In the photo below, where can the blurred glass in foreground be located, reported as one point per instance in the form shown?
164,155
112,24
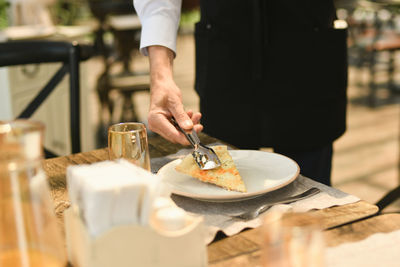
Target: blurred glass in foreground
29,234
292,240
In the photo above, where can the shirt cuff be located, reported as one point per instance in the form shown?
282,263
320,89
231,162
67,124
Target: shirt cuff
158,30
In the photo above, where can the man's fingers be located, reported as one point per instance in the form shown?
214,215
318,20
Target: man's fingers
181,117
160,124
198,127
196,117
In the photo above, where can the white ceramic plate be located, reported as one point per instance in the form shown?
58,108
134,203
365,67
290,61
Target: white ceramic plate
262,172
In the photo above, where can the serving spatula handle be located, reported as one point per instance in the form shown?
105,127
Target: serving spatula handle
190,136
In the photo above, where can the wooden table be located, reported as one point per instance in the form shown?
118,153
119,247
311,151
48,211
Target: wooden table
242,249
55,168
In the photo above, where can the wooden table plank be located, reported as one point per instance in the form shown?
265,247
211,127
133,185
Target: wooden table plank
251,255
231,247
342,214
252,258
360,230
329,217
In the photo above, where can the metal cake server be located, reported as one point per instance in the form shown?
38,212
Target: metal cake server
204,156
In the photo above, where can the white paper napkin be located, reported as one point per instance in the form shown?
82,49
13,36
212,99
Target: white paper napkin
111,193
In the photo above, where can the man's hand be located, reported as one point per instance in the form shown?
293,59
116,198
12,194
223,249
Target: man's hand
166,99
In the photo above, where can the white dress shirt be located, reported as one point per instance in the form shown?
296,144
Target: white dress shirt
160,22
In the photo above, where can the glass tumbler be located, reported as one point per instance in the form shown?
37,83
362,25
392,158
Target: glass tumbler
292,240
128,140
29,232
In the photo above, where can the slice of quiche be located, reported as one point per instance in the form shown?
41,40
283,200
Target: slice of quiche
226,176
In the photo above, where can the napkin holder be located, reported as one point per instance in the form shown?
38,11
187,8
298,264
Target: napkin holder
135,245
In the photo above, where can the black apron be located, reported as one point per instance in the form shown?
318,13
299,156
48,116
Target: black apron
271,73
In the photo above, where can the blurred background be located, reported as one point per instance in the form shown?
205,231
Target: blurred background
115,84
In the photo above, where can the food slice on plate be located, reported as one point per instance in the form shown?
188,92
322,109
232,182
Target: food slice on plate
226,176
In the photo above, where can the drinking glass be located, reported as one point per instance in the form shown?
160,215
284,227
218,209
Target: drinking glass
292,240
29,233
128,140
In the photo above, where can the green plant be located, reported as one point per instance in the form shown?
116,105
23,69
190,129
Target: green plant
189,18
67,12
3,13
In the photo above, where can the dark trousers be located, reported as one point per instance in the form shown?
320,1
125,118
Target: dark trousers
315,164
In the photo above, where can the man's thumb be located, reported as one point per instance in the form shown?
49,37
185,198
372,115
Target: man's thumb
183,120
